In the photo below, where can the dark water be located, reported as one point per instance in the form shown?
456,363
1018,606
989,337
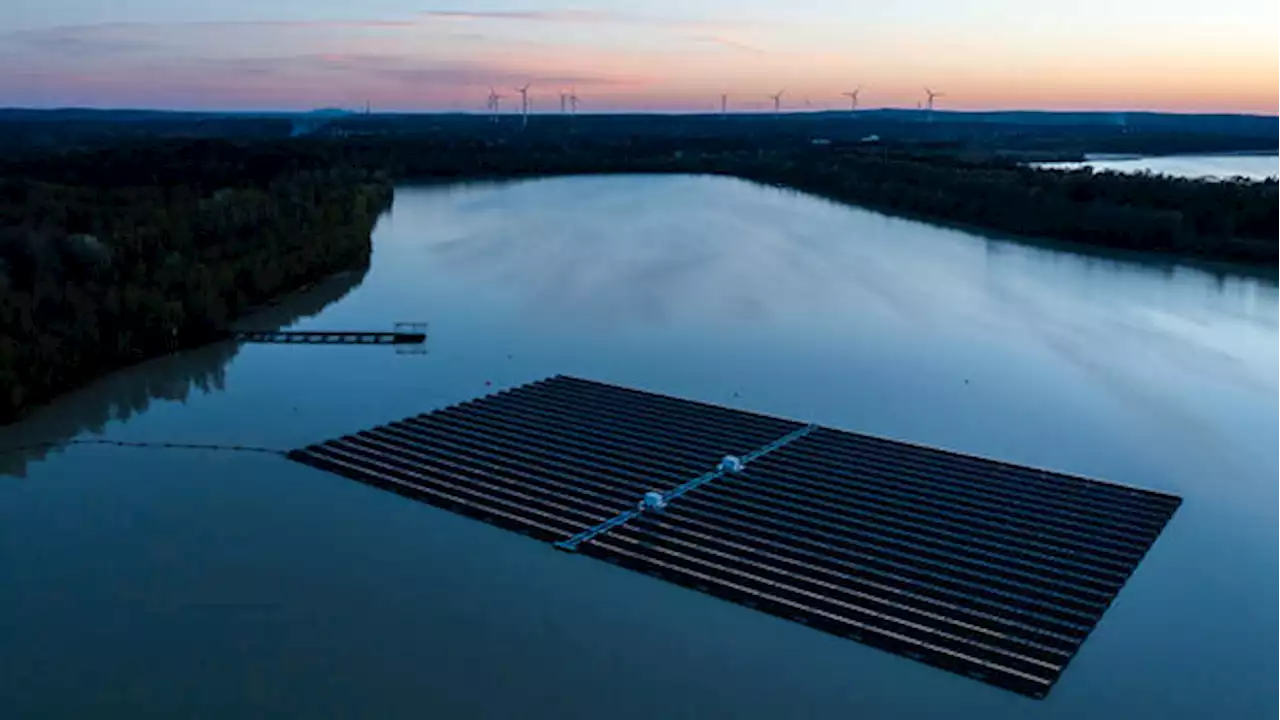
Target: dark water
165,583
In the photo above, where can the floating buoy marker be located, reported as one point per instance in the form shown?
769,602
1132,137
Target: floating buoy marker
652,500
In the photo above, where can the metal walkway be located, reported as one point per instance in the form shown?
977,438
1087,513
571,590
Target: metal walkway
590,533
403,334
983,568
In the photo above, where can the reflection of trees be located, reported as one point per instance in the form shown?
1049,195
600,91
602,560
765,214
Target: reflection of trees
128,392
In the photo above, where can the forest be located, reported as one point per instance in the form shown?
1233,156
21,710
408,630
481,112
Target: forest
110,255
158,252
174,377
1229,221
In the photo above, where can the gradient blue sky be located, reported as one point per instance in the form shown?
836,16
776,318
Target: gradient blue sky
1178,55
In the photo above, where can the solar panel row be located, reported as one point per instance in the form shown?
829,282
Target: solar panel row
993,570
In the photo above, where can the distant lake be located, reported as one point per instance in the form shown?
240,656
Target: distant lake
173,583
1256,167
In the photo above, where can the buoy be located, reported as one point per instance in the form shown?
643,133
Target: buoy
652,500
731,463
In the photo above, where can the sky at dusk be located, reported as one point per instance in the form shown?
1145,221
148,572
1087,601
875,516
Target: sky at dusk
667,55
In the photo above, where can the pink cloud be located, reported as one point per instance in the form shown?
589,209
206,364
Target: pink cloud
136,29
418,72
322,23
105,39
299,81
573,16
98,41
531,15
727,43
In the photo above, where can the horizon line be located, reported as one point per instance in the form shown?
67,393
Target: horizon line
554,113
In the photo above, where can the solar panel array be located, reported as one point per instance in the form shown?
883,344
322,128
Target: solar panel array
988,569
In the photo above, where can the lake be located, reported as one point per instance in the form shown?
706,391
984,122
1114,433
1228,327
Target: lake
1253,167
162,583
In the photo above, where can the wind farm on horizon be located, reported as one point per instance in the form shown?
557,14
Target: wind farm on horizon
549,99
525,108
533,99
776,103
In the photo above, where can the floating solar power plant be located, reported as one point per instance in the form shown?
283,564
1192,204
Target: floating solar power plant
549,458
988,569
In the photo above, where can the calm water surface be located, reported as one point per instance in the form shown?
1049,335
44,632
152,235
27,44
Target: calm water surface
168,583
1254,167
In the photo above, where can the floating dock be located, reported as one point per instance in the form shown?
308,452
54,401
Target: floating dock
335,337
988,569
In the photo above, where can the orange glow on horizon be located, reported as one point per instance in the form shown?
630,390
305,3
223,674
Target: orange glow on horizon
448,63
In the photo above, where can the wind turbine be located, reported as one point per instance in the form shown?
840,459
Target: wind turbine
932,95
777,101
564,101
724,104
524,104
492,104
853,98
573,100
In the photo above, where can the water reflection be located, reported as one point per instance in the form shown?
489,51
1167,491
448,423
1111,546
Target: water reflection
771,293
129,392
707,288
1228,166
775,256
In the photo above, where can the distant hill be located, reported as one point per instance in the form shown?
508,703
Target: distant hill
127,115
1219,124
95,115
330,112
1025,134
1193,122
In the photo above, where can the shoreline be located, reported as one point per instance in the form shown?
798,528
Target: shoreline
193,343
263,309
121,393
1100,252
261,272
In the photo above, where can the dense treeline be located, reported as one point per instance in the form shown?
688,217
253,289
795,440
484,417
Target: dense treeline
173,377
1044,135
144,254
31,132
1231,221
111,255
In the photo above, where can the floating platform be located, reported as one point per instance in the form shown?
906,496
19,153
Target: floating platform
988,569
330,337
